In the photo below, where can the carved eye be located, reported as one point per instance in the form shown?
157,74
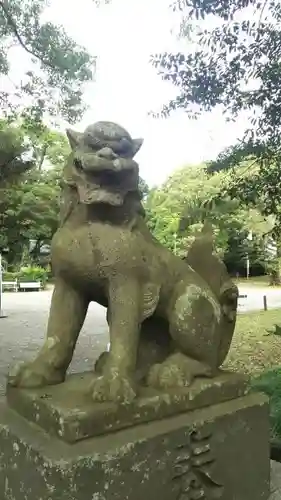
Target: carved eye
78,164
124,148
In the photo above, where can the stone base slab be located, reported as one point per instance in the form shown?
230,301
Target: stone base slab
215,453
68,411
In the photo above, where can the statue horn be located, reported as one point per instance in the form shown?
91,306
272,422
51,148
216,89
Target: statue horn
73,137
137,143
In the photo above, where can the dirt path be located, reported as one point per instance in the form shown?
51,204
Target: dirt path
254,299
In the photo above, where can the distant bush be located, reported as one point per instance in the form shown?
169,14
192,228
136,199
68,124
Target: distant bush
7,276
29,273
33,273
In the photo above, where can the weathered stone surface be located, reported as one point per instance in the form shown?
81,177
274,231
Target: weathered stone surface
68,411
170,319
221,452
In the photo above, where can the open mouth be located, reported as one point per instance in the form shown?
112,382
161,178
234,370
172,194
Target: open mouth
96,194
108,187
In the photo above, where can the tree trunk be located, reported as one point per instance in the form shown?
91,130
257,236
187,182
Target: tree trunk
275,278
275,274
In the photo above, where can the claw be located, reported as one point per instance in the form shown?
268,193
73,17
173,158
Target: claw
115,388
32,375
165,377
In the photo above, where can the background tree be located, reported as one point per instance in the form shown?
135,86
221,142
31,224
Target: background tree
59,68
29,197
14,158
143,187
29,212
47,146
27,144
176,212
233,61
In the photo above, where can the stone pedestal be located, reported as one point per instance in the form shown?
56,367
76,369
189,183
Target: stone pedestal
215,452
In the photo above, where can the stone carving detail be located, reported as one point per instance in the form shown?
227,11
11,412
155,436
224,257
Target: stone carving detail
169,320
193,468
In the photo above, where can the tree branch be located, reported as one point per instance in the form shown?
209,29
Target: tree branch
11,23
41,157
260,19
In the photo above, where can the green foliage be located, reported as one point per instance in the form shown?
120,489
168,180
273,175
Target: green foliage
236,45
46,145
163,218
12,150
256,185
270,384
143,187
29,211
25,145
177,210
276,331
10,276
233,61
29,208
33,273
28,273
59,68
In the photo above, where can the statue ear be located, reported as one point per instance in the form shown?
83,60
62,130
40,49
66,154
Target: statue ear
208,234
137,143
73,137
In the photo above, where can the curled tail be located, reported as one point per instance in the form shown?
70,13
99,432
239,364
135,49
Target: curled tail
202,259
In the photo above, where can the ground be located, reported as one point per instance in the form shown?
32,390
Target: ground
23,331
255,294
254,281
254,349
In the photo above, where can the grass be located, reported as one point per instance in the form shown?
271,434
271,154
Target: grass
253,349
257,352
270,384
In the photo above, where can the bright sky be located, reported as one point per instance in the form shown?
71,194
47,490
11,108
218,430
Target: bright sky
123,35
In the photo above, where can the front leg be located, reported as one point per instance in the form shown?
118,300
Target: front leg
67,314
117,383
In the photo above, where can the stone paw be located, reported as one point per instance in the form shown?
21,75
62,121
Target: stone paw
114,387
168,376
31,375
101,362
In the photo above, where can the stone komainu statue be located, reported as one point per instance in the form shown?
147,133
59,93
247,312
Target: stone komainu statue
169,320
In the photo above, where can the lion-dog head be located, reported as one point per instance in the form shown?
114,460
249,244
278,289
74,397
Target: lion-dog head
101,165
